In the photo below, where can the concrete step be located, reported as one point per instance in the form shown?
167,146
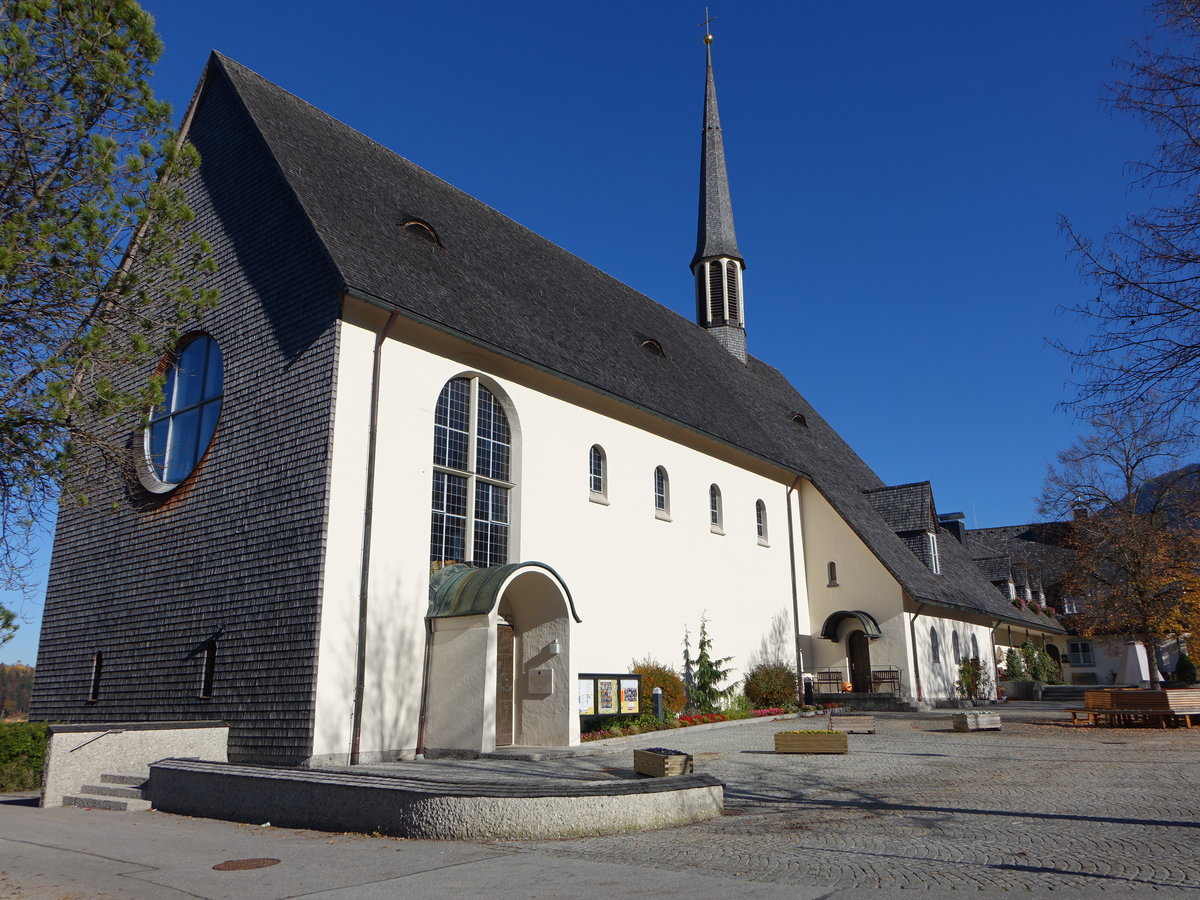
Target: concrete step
135,780
114,803
113,790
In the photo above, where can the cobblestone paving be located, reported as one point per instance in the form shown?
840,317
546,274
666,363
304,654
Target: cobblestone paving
1039,806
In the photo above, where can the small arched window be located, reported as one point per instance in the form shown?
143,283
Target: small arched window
662,493
957,648
935,647
182,426
974,647
833,582
760,521
597,471
716,515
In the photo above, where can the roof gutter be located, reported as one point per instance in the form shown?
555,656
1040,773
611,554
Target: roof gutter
360,662
912,627
794,489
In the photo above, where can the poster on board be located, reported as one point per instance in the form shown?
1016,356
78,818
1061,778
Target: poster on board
607,701
587,697
629,695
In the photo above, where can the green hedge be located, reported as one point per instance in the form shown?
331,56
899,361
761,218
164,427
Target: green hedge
22,755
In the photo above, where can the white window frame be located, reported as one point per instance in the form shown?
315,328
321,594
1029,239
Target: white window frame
716,510
760,523
170,415
662,494
597,475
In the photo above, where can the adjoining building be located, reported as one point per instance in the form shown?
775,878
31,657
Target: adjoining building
420,468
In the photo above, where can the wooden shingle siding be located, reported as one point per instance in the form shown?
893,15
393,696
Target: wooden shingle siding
237,549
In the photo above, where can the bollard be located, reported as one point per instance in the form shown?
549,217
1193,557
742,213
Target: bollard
658,710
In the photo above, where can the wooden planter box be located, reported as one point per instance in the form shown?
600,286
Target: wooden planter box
811,742
977,722
647,762
853,724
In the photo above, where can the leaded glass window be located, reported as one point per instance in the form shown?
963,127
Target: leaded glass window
760,519
472,459
715,514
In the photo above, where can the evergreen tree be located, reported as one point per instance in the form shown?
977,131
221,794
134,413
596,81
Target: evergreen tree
96,250
710,673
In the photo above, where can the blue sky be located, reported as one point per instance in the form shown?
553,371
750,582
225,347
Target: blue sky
897,171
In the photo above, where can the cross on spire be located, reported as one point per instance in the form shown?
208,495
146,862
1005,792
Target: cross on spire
707,19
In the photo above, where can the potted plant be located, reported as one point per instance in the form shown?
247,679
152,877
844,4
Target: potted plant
812,742
661,761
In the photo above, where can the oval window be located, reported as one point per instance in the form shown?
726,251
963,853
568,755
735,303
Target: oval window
182,426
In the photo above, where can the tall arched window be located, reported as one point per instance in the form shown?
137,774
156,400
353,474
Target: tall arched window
716,515
935,647
181,428
472,456
662,493
597,471
957,649
974,647
832,569
760,520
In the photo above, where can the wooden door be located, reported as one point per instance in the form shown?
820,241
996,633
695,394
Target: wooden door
858,647
504,684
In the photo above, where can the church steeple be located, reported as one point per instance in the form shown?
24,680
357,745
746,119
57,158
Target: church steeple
717,265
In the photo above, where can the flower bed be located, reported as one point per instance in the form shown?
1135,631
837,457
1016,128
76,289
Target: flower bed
701,719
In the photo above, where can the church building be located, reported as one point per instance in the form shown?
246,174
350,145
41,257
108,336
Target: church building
420,468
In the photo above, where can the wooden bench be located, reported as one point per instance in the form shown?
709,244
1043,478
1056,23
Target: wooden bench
829,682
1126,718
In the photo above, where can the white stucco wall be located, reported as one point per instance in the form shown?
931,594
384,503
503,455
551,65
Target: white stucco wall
340,591
938,678
637,581
862,584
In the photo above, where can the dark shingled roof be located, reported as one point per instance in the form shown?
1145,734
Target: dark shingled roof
497,283
906,507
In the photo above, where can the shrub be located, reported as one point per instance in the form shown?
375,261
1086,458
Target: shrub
1014,665
770,684
1038,663
22,755
973,680
655,674
1185,669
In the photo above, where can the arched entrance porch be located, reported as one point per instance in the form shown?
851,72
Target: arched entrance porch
498,659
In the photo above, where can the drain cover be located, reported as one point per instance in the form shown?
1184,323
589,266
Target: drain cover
238,865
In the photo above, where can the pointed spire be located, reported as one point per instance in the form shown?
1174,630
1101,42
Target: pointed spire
715,235
718,264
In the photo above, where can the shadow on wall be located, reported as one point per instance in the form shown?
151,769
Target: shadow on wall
392,680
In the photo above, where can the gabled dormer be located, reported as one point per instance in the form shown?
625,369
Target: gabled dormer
909,511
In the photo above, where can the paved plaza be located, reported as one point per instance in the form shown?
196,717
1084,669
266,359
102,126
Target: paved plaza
1037,808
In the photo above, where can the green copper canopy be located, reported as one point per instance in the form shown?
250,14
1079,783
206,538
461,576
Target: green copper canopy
466,590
